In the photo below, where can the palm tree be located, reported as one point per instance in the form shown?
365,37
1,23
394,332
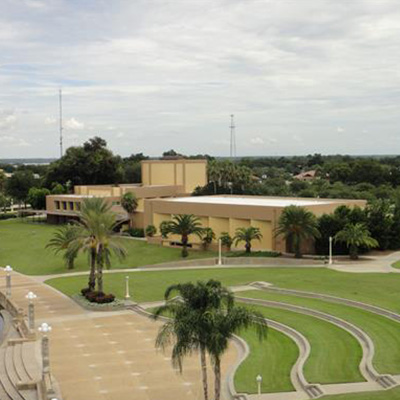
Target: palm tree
208,237
222,325
247,235
188,327
95,236
356,235
185,225
61,241
297,224
129,203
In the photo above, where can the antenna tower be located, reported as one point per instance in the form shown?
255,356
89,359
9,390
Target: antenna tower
233,138
61,124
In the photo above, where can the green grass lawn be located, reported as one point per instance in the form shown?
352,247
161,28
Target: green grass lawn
22,245
396,264
384,332
393,394
335,354
379,289
273,358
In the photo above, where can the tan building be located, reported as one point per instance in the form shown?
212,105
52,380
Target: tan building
160,179
227,213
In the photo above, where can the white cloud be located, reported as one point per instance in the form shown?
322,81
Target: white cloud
257,141
8,120
339,129
50,121
74,124
13,141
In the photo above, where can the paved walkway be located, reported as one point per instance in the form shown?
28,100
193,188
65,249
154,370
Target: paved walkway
108,355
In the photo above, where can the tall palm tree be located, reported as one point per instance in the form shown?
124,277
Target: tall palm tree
356,235
297,224
222,325
189,325
95,236
61,242
185,225
129,203
247,235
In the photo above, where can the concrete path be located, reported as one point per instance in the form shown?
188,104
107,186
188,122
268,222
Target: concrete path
107,355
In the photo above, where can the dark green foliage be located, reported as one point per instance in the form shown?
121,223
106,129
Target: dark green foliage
151,230
19,184
37,198
136,232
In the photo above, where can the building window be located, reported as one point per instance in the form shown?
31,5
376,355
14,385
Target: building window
57,203
64,205
78,206
71,205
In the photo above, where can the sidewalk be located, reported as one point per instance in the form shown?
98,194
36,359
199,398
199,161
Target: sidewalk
107,355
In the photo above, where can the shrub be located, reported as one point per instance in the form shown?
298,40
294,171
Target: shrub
226,240
207,237
151,230
85,291
164,229
7,216
98,297
136,232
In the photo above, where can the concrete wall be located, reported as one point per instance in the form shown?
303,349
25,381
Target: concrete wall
185,173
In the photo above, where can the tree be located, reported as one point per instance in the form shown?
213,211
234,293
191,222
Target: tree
297,224
355,236
4,202
188,327
247,235
226,240
223,324
61,242
129,203
90,164
37,198
379,222
96,237
164,230
3,180
184,225
18,185
207,237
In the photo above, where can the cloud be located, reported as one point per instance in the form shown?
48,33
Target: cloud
8,120
50,121
9,141
74,124
166,74
257,141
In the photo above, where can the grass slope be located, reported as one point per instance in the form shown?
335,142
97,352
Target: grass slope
384,332
22,245
273,358
335,354
379,289
393,394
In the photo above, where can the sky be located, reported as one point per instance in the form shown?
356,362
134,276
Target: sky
300,76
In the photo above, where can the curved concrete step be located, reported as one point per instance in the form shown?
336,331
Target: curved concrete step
353,303
30,361
297,373
19,365
366,366
4,377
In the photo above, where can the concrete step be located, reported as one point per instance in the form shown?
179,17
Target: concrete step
19,365
4,377
30,361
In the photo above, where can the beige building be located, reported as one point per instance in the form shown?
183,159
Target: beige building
227,213
165,191
160,179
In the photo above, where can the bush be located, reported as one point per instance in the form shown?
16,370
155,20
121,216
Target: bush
136,232
7,216
226,240
164,229
151,230
97,297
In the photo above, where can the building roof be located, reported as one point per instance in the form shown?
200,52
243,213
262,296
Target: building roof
254,201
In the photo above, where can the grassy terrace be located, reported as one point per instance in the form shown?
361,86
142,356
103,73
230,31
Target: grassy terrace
335,354
379,289
393,394
384,332
22,245
274,357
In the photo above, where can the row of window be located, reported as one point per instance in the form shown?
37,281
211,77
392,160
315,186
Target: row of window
68,205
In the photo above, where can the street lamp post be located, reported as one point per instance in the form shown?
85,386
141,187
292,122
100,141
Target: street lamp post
219,252
330,251
259,381
127,295
31,310
44,329
8,270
